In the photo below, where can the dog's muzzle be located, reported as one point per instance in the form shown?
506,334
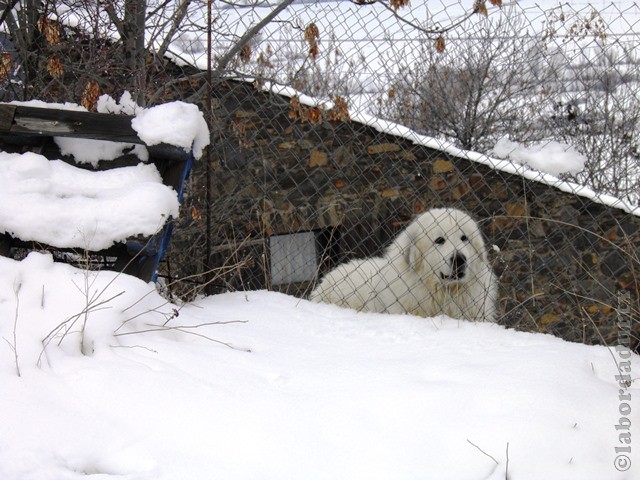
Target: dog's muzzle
458,263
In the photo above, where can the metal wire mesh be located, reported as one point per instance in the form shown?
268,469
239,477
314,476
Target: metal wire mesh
336,124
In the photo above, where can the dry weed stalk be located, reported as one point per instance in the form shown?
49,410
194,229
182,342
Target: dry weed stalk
14,345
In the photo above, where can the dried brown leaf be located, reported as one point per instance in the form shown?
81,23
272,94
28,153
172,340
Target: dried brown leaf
90,95
311,36
245,53
340,111
196,215
6,65
311,33
296,108
397,4
314,116
54,66
50,29
480,7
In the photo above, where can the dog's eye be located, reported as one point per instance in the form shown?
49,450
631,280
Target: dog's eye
464,238
440,240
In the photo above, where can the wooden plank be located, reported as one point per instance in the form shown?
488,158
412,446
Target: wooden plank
7,113
34,121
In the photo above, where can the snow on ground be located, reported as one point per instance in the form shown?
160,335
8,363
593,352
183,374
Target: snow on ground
303,391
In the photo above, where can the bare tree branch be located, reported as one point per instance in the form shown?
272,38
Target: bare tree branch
248,35
176,21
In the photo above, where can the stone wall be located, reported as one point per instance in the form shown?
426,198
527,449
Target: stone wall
567,265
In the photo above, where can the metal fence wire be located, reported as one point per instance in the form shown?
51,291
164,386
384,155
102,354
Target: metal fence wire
475,159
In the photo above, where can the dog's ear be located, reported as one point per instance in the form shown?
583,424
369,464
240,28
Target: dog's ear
414,257
477,241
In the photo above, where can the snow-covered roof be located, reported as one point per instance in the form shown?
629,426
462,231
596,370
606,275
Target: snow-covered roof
503,165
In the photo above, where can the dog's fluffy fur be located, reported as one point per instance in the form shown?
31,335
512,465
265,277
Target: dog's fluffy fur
437,265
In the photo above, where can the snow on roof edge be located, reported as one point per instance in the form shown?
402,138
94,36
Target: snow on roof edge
506,166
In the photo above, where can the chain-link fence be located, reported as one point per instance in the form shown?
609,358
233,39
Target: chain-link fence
337,127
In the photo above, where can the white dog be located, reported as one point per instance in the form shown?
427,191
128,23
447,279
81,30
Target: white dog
437,265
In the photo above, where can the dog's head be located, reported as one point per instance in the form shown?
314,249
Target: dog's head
447,244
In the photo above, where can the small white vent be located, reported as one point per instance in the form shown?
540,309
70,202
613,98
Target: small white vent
293,258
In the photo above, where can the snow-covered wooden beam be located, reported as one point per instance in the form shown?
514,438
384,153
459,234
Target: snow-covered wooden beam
172,136
34,121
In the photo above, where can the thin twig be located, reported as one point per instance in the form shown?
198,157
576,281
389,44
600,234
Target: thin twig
134,346
603,340
506,469
175,311
70,322
634,258
14,346
159,328
428,31
584,297
248,35
7,10
482,451
219,271
185,329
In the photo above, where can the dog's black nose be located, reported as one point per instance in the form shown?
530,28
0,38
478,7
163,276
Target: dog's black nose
458,266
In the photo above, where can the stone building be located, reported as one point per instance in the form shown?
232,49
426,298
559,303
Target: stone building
298,188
